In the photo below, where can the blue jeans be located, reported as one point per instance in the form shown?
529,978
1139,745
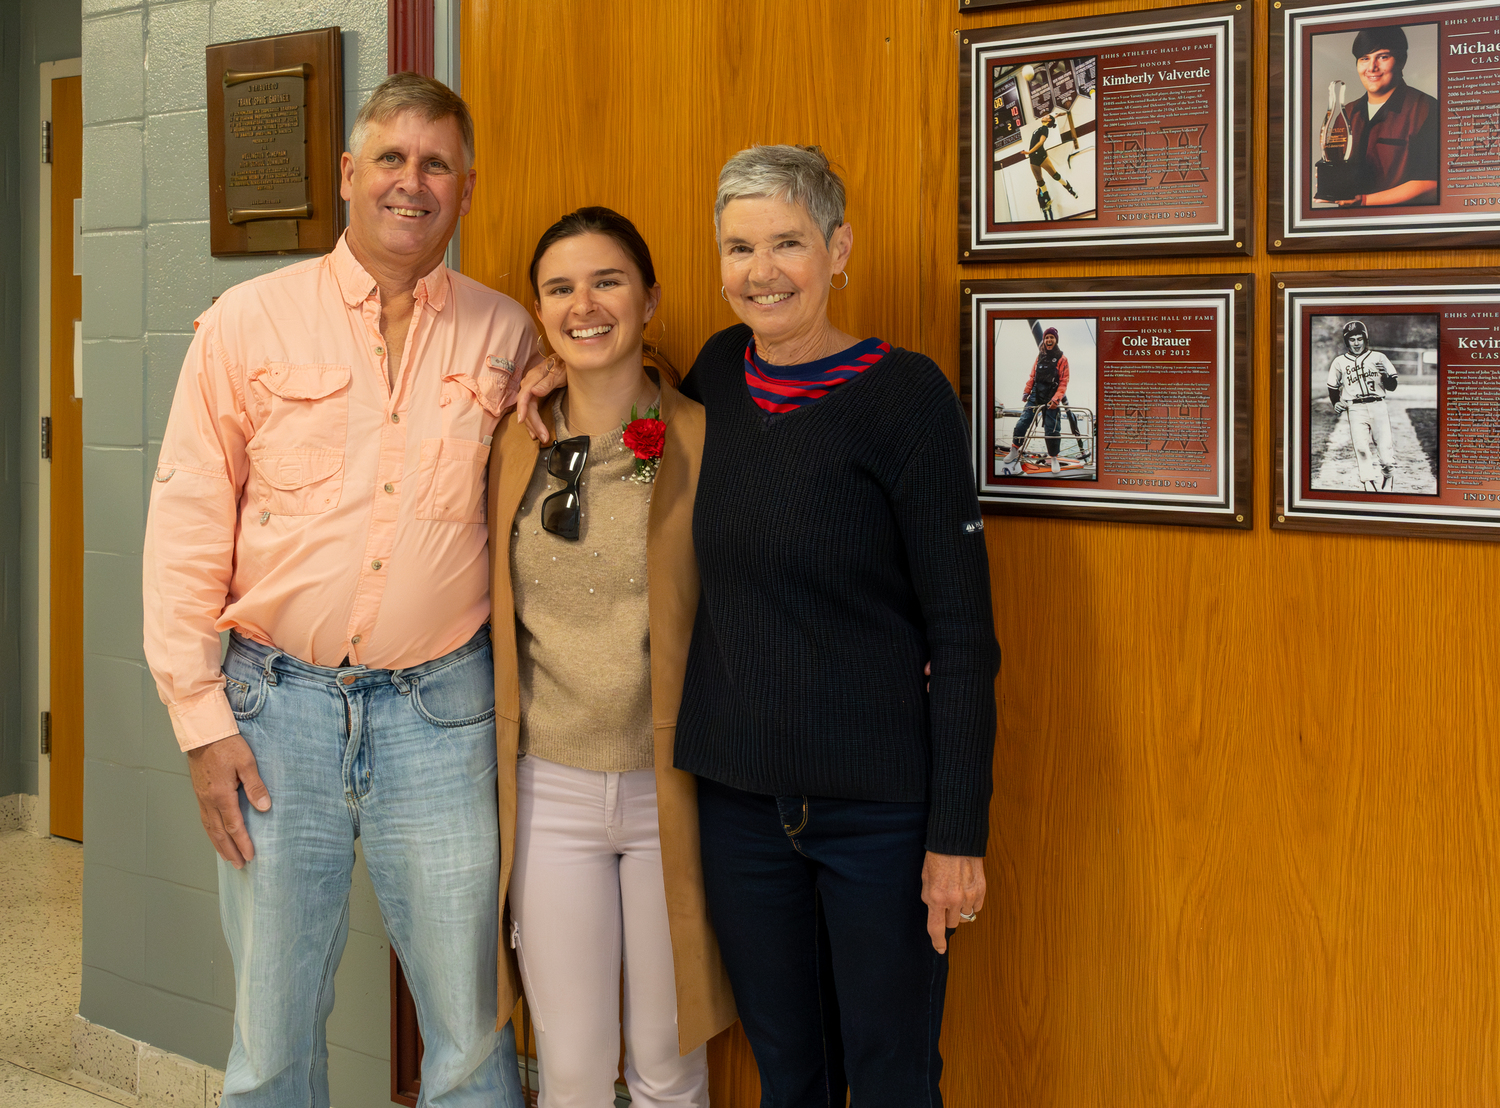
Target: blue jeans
817,903
405,759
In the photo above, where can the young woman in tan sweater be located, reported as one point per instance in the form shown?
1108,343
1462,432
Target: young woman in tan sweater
598,831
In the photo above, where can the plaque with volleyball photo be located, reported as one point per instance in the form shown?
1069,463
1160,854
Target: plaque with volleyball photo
1105,136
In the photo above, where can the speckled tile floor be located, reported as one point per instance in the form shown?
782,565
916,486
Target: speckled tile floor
41,956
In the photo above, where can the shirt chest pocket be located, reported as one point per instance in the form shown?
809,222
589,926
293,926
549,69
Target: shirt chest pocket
451,480
451,473
297,455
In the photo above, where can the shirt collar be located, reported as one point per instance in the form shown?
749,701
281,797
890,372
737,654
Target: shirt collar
356,285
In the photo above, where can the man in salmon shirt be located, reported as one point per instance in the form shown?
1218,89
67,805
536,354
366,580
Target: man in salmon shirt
321,496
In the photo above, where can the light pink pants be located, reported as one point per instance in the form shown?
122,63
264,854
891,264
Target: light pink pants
587,884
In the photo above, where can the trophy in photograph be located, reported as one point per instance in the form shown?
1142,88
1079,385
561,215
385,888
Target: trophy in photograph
1337,177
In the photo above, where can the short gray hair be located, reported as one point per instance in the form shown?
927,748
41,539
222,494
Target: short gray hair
413,92
793,174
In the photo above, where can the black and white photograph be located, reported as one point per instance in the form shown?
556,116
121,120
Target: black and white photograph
1045,140
1373,401
1046,398
1376,141
1384,402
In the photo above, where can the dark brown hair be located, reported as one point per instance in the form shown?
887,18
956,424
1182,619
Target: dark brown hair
597,220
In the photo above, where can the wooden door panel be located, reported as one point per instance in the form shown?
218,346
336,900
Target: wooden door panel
67,469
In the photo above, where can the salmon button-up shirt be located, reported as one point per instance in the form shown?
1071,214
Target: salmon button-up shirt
307,503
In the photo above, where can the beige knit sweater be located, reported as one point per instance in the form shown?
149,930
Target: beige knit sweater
582,615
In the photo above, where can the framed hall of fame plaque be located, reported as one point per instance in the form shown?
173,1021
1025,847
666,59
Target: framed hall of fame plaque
1386,403
1107,136
275,134
1385,122
1121,398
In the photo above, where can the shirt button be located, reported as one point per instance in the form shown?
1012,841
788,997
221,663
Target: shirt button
380,350
389,487
375,565
354,641
395,417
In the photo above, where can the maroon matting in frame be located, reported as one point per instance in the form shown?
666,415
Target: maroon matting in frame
1413,447
1153,416
1107,136
1452,71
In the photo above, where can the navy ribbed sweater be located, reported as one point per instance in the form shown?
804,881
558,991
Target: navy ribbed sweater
839,549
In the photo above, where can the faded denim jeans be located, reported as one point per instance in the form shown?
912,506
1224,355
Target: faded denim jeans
404,759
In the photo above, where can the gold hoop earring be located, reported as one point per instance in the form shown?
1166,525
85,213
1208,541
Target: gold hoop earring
839,288
659,338
724,294
543,353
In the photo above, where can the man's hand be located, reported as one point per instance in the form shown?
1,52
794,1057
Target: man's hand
1341,406
1052,403
539,382
219,770
952,887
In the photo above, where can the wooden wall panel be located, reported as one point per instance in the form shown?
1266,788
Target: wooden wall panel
1244,837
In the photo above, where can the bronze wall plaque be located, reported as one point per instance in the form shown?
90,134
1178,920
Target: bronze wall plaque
275,133
265,144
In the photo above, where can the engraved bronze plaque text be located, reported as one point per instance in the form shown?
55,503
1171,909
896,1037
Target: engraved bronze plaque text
265,144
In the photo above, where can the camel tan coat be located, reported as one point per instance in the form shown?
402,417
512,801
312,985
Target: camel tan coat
705,1005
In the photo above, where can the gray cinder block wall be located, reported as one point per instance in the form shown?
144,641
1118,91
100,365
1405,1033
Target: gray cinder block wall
32,32
155,967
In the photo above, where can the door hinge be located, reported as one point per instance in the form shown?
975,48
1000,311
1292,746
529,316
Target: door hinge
46,142
47,733
46,438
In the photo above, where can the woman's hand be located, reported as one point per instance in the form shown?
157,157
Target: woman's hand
540,381
952,888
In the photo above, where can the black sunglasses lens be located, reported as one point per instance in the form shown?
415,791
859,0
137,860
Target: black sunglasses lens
560,513
565,462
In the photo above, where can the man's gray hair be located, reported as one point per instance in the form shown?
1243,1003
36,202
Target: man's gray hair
792,174
412,92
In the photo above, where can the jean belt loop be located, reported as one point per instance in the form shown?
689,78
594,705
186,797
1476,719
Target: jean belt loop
269,670
401,681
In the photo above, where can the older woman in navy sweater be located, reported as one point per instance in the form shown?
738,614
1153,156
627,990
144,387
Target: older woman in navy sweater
842,802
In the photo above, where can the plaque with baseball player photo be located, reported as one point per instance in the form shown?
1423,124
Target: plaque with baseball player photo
1114,135
1111,398
1387,403
1385,119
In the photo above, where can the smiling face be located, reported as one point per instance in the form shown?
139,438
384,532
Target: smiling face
1379,71
776,269
1049,341
593,302
406,189
1356,343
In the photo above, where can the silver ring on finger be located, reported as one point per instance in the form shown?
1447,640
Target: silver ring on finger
968,917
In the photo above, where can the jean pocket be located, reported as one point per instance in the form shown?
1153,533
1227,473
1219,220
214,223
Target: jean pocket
454,699
245,701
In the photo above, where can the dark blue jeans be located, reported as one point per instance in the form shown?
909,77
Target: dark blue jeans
817,903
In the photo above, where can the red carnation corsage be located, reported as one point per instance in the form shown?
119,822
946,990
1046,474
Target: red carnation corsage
644,438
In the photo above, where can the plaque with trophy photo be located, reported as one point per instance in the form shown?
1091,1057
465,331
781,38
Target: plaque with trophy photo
1382,124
